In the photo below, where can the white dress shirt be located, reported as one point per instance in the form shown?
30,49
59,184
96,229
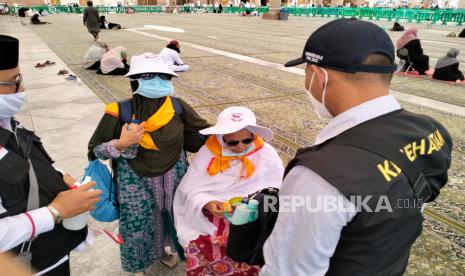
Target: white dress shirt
17,229
302,242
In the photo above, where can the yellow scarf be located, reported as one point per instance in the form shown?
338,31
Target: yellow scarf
220,163
159,119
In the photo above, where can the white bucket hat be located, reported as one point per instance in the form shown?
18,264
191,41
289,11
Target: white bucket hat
235,118
148,63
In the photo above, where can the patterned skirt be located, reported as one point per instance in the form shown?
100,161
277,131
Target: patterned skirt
207,254
146,205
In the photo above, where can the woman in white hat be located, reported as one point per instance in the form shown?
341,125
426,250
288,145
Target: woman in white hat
235,161
148,158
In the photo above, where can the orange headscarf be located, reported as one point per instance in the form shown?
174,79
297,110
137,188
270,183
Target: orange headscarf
220,163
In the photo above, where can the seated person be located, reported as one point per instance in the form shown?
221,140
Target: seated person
235,161
94,55
397,27
114,62
22,11
171,57
462,33
410,41
447,67
36,21
104,24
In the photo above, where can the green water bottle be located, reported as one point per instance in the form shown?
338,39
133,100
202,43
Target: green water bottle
253,209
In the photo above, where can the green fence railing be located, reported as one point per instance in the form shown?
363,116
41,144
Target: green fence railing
411,15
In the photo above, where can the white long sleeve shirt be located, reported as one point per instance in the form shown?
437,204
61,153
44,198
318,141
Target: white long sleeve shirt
170,56
303,241
17,229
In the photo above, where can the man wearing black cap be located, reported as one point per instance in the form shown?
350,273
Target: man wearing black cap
351,203
34,197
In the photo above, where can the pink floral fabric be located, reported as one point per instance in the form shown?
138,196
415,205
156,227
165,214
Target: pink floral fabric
207,254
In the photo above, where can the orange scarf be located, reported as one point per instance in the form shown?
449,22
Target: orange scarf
159,119
220,163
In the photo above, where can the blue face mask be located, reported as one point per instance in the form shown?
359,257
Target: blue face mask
226,152
155,88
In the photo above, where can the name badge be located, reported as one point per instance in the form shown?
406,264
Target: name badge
3,152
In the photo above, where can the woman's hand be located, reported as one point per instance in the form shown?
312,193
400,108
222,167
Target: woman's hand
215,208
130,134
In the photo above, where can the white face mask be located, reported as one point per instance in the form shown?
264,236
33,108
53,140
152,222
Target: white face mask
10,104
320,108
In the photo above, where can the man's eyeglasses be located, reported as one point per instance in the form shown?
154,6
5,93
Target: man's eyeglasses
19,80
149,76
232,143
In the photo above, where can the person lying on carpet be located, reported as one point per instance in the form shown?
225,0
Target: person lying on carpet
104,24
447,67
36,21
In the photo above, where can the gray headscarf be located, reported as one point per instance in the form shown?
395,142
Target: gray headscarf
449,59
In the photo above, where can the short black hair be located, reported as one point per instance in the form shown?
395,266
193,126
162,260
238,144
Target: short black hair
374,59
90,3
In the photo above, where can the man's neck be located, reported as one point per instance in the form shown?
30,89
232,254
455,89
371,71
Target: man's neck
355,98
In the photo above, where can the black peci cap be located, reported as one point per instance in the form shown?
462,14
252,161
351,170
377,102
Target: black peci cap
9,49
343,44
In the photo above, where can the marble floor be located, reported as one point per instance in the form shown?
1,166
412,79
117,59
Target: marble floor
235,61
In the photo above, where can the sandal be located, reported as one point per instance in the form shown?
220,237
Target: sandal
48,62
62,72
39,65
71,77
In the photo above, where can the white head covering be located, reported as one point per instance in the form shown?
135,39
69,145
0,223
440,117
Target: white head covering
148,63
235,118
95,53
112,60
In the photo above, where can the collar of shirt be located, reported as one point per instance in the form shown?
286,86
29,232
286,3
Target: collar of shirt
357,115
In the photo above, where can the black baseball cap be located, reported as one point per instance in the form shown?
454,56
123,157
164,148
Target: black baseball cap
9,47
343,44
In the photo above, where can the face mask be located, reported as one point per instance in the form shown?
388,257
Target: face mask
320,109
10,104
226,152
154,88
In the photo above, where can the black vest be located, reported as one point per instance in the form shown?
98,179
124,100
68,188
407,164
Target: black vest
48,248
378,243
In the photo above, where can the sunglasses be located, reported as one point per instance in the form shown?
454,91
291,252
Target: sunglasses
149,76
17,82
232,143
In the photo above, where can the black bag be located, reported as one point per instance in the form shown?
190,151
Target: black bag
245,242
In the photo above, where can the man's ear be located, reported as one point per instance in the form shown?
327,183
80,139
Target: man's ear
319,76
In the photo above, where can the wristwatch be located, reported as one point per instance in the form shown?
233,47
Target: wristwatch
55,212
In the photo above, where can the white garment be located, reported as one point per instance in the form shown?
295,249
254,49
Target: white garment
179,68
198,188
303,242
170,57
94,54
17,229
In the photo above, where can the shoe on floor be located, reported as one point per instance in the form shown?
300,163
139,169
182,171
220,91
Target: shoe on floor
62,72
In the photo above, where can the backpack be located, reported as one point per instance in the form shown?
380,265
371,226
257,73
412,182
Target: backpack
107,209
